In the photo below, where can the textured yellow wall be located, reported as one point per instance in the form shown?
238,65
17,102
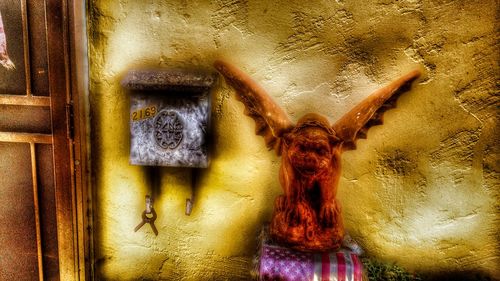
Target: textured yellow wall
421,191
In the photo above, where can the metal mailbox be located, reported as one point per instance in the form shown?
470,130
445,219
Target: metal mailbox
169,117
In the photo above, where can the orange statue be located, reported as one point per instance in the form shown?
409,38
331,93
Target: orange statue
308,217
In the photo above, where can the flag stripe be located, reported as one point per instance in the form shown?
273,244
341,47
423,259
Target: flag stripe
325,267
333,267
341,266
317,267
348,265
357,268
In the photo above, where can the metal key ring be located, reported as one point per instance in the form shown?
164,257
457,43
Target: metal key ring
152,218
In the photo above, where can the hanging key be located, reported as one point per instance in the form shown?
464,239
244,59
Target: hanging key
149,220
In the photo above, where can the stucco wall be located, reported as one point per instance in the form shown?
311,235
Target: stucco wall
421,191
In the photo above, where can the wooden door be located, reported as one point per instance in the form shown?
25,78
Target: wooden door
38,213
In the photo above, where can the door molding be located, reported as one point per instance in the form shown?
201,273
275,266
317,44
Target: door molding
78,50
68,72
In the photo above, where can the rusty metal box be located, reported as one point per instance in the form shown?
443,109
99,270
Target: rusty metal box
169,117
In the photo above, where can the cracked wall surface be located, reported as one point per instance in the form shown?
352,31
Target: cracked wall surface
421,190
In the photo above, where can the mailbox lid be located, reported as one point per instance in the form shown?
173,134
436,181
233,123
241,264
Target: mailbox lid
168,79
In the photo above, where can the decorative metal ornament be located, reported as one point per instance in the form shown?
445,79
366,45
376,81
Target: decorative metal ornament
168,129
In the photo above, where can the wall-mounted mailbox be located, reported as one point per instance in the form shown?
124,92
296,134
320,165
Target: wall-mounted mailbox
169,117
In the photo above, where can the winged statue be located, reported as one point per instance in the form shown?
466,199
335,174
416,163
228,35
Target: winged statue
308,216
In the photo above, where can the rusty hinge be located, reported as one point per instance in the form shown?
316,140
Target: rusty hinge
70,121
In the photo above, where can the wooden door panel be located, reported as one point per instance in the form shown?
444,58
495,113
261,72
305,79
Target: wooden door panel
12,81
27,119
18,241
26,253
37,42
31,144
26,33
46,189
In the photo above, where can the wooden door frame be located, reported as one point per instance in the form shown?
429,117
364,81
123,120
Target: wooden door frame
79,62
68,80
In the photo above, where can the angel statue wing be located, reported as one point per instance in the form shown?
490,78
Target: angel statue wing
4,57
271,121
369,112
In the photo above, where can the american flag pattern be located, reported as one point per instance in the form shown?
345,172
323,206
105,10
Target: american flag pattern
4,56
283,264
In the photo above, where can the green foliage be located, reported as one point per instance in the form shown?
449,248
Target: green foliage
380,271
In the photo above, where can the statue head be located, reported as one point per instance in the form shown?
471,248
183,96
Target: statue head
310,144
